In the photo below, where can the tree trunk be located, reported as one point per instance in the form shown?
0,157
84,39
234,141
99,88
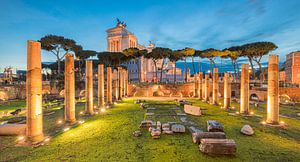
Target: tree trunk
252,68
185,67
161,69
194,69
262,73
175,73
138,70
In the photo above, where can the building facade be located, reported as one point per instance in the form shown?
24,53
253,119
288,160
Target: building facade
292,68
142,69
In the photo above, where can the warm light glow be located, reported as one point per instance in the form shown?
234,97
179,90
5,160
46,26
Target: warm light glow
281,122
47,139
59,121
107,106
220,103
263,122
103,110
237,112
251,113
20,138
81,112
232,107
96,112
66,129
81,121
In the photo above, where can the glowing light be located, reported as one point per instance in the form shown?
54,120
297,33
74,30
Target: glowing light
233,107
47,140
281,122
237,112
59,121
81,121
251,113
96,112
81,112
220,103
264,122
66,129
95,107
103,110
20,138
107,106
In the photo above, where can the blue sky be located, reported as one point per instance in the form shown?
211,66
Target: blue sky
168,23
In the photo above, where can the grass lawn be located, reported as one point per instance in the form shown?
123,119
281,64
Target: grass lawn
108,137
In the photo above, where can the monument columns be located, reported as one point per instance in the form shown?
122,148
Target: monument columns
244,107
126,82
200,85
69,89
108,85
227,91
206,82
89,87
101,85
215,86
123,82
273,90
34,93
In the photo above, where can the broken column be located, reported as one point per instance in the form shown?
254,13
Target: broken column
215,86
273,91
89,87
244,107
101,85
69,89
34,93
206,93
227,91
120,83
200,85
108,86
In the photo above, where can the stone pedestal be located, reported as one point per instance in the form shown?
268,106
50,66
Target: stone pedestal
69,89
89,109
273,90
34,93
101,86
206,87
200,85
215,87
244,107
196,88
109,86
227,91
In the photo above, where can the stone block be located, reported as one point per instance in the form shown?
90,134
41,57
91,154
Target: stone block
178,128
198,136
218,146
214,126
193,110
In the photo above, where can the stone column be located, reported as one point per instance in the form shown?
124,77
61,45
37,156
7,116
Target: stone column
69,89
206,82
227,91
115,89
126,82
108,86
123,82
101,85
120,82
244,107
215,86
273,90
200,85
34,93
89,109
196,89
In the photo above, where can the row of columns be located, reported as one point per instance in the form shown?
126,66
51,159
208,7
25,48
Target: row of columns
34,130
273,89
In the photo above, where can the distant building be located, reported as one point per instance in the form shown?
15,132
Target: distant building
119,39
292,68
282,76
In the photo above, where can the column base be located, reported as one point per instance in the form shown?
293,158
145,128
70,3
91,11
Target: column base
35,139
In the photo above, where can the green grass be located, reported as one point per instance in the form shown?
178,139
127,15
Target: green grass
12,105
108,137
